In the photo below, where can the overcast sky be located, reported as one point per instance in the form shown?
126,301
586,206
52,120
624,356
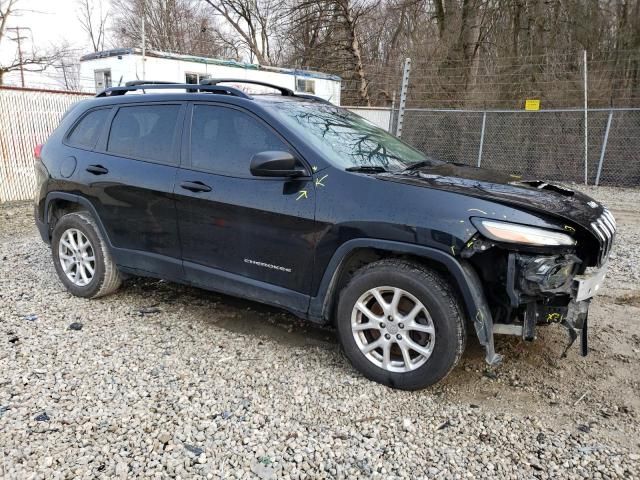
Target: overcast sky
52,22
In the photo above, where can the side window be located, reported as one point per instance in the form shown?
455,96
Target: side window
86,132
224,140
145,131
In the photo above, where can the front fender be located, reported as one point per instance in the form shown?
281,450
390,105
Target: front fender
462,274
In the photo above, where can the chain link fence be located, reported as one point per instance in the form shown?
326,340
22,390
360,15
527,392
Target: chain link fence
479,118
546,144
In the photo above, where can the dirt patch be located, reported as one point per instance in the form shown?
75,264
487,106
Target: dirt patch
631,299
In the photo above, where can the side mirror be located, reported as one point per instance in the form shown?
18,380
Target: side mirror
276,164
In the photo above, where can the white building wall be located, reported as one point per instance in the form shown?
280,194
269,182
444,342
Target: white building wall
129,67
380,117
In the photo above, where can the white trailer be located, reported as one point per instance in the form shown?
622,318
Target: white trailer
109,68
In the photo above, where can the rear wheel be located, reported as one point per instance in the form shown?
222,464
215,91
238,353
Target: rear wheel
400,324
81,257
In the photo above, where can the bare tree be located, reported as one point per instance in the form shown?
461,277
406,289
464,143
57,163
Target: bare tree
350,12
93,19
328,34
256,22
7,9
68,69
471,52
179,26
30,60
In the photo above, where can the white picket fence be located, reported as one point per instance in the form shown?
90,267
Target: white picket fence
27,118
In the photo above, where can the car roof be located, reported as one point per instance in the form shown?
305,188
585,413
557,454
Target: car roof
163,90
254,101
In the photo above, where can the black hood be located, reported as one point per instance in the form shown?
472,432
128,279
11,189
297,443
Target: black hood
533,195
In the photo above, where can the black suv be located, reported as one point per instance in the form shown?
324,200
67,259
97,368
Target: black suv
289,200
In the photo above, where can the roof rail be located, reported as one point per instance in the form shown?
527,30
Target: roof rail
315,98
286,92
134,83
190,87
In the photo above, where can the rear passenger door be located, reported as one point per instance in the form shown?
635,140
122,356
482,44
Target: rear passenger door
130,178
237,225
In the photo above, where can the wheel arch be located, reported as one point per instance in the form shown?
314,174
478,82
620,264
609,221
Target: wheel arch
68,202
359,252
462,275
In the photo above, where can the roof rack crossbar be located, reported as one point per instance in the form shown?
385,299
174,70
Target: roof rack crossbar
286,92
114,91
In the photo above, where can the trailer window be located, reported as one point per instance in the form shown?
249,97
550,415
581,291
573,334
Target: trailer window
304,85
102,78
195,78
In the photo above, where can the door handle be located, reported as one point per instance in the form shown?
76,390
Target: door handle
97,169
195,186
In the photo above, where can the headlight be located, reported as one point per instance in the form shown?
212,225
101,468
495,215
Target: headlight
515,233
547,274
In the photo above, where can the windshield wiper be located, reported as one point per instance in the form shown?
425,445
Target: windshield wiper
366,169
415,166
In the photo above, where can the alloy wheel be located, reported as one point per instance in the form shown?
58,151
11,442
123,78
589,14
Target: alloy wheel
393,329
77,257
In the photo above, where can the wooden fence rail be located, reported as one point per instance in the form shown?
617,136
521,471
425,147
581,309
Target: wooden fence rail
27,118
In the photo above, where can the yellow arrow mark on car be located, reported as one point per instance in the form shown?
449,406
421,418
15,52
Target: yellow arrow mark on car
319,181
302,193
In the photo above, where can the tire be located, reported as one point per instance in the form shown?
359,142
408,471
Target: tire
437,331
105,278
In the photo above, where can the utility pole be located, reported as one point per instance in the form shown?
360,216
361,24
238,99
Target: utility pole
144,44
64,74
18,39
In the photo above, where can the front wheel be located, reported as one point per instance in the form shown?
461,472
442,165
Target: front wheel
400,324
81,257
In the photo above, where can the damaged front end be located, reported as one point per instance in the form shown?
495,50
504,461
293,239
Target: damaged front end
530,278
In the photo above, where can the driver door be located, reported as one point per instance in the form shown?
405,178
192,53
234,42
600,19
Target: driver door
237,231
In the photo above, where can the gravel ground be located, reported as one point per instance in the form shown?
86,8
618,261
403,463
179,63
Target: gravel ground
161,380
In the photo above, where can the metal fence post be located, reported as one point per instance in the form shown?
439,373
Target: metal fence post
586,124
393,108
403,95
484,122
604,147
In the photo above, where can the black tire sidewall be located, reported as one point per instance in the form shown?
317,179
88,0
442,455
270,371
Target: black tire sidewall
439,305
76,221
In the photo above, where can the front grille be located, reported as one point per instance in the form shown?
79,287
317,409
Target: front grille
605,229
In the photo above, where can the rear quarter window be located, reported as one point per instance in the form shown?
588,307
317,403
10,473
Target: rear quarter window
145,131
86,132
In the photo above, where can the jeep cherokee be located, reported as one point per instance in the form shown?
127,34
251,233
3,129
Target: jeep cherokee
289,200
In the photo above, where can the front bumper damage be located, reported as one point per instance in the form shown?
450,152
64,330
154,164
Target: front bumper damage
540,290
482,319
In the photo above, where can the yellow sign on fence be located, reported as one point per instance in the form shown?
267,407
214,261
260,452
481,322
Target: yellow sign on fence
532,104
